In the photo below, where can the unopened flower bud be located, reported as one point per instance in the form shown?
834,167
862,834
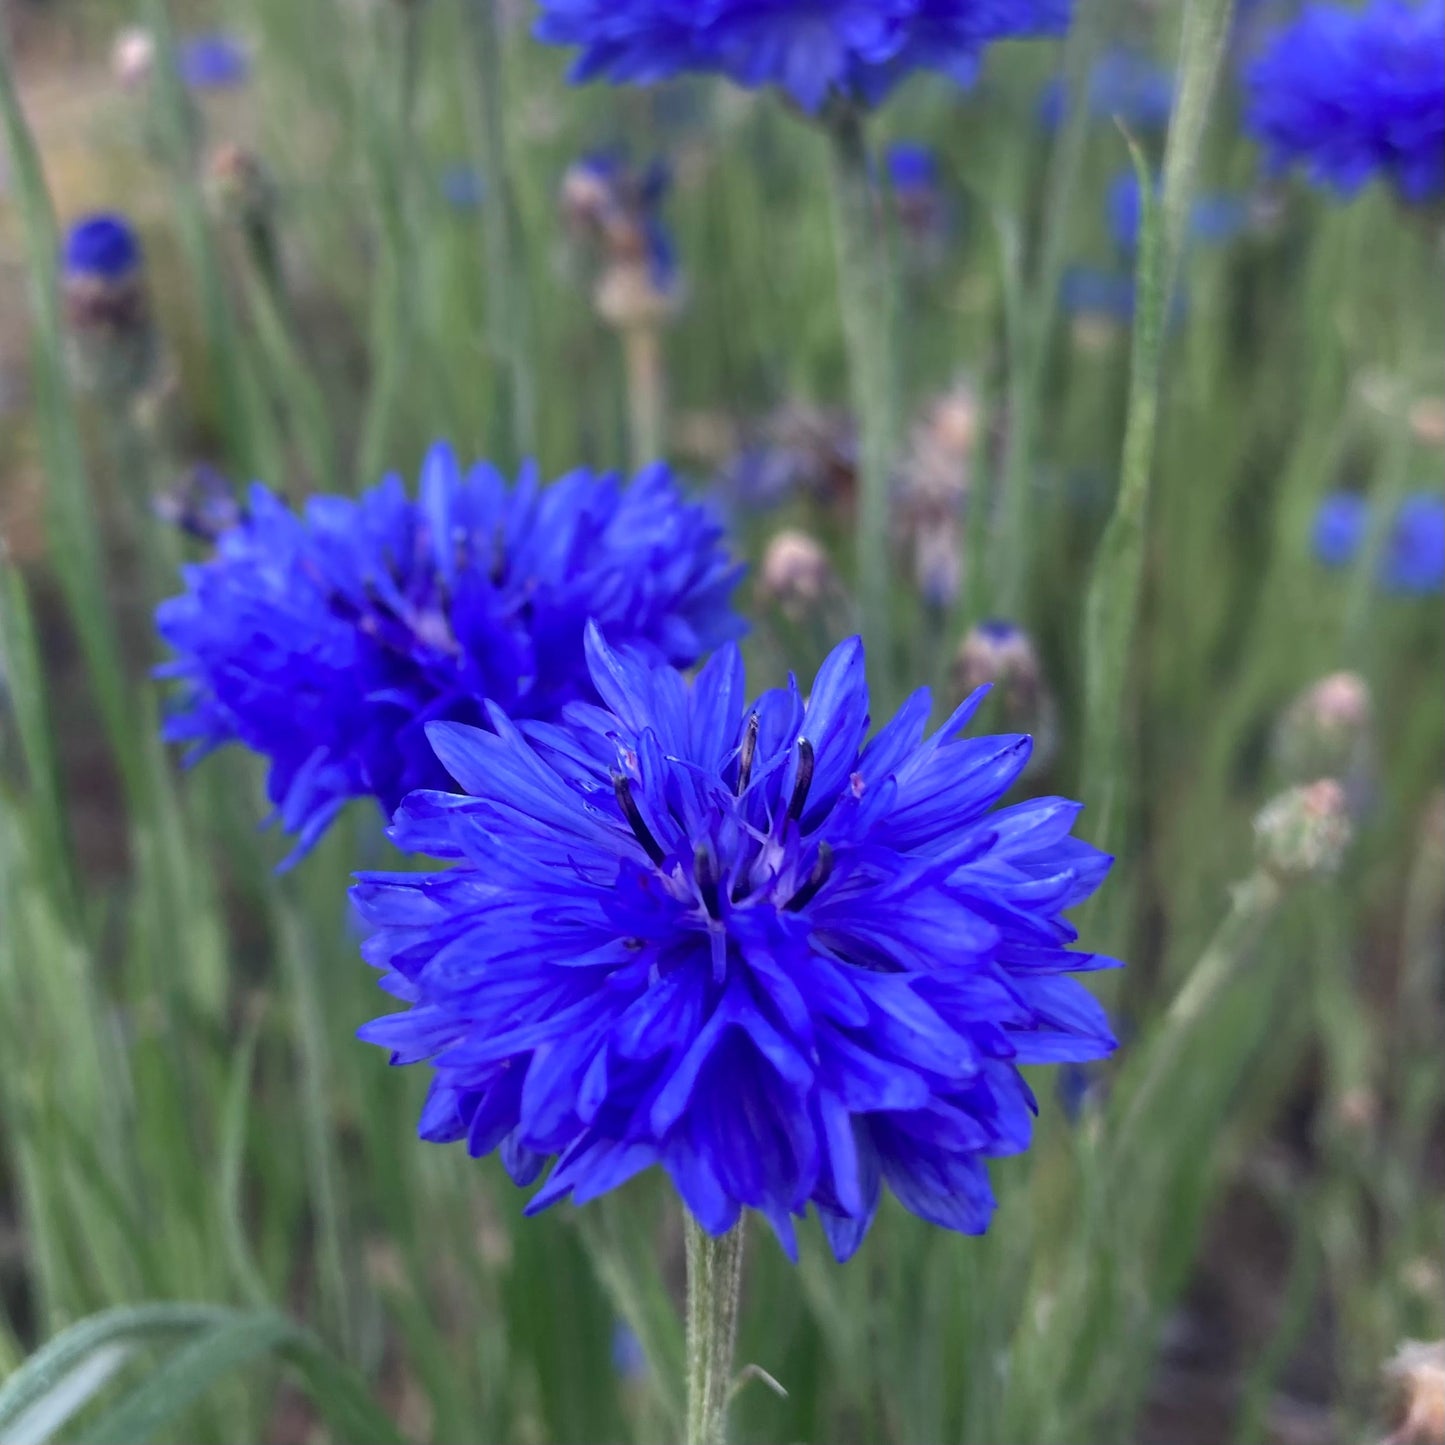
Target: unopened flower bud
796,574
203,504
1328,731
133,57
634,295
1000,654
112,345
1427,421
243,194
1417,1379
1304,832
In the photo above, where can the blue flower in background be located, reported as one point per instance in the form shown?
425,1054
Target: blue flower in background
213,61
1354,94
737,941
858,49
326,642
1414,555
912,166
618,205
461,187
1089,291
1122,83
1213,219
101,247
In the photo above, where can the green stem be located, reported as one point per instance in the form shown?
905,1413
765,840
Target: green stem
1031,321
1252,906
646,393
714,1288
509,313
1111,615
865,298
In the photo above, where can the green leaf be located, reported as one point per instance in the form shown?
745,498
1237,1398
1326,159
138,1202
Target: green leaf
64,1375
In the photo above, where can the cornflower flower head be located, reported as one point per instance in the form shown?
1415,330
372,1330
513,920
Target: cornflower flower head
1352,94
855,50
328,641
740,941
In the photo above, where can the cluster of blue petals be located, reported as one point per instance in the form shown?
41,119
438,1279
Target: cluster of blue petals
811,49
102,247
1413,561
1354,94
214,60
328,641
740,941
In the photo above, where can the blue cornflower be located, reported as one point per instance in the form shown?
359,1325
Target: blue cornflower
811,49
1122,83
101,247
213,61
461,187
326,642
619,206
1414,556
737,941
912,166
1352,94
1090,291
111,339
1213,219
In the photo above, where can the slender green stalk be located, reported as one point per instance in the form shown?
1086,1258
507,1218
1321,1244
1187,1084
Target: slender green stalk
714,1289
393,324
1030,321
1111,617
646,393
1251,907
866,301
509,311
178,133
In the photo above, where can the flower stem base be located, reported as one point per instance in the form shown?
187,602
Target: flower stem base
714,1288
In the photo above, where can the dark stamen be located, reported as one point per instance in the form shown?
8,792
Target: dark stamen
640,830
799,800
706,875
745,758
822,871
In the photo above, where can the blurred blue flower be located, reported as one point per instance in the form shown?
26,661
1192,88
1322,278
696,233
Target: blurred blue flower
1090,291
326,642
1213,219
922,208
111,341
102,247
736,940
629,1359
1414,555
461,187
608,200
912,166
1122,83
858,49
213,61
1353,94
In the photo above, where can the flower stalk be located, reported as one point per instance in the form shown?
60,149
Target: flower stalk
865,298
646,394
509,317
714,1289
